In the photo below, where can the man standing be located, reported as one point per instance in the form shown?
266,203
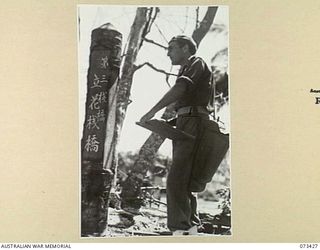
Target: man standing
191,94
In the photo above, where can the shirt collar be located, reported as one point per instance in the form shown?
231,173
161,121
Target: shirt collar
182,69
191,57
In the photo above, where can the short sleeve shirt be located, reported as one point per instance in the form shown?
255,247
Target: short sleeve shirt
196,76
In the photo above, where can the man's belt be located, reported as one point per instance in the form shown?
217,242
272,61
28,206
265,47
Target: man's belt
192,110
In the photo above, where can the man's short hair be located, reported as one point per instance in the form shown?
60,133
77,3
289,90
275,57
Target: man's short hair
182,40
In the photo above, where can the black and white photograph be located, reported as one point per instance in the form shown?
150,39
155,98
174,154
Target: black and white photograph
154,121
159,123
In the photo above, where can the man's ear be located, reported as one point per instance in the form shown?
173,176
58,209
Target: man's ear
185,48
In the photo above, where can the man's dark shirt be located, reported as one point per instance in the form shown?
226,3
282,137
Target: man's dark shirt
196,75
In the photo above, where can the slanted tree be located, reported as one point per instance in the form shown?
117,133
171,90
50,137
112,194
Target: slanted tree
140,27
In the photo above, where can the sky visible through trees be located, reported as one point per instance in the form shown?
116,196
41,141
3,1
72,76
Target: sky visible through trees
148,85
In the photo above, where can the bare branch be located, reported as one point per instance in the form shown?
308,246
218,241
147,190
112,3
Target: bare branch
153,42
205,25
152,18
167,80
197,18
186,20
150,21
156,69
161,33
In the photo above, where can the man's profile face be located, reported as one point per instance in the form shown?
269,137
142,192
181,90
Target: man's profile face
176,54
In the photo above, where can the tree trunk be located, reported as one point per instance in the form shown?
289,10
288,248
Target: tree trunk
136,36
199,33
131,187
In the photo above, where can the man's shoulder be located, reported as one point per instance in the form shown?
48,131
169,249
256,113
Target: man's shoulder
195,58
198,63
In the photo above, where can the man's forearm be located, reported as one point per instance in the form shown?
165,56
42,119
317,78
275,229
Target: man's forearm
174,94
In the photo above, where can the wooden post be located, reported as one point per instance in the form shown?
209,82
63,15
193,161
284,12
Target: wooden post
96,178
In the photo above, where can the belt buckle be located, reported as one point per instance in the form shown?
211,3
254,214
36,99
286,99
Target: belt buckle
192,110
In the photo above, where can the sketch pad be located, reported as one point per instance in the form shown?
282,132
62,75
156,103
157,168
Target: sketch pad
165,130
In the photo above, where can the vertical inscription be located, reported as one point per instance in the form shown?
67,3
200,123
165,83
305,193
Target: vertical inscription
99,83
103,72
